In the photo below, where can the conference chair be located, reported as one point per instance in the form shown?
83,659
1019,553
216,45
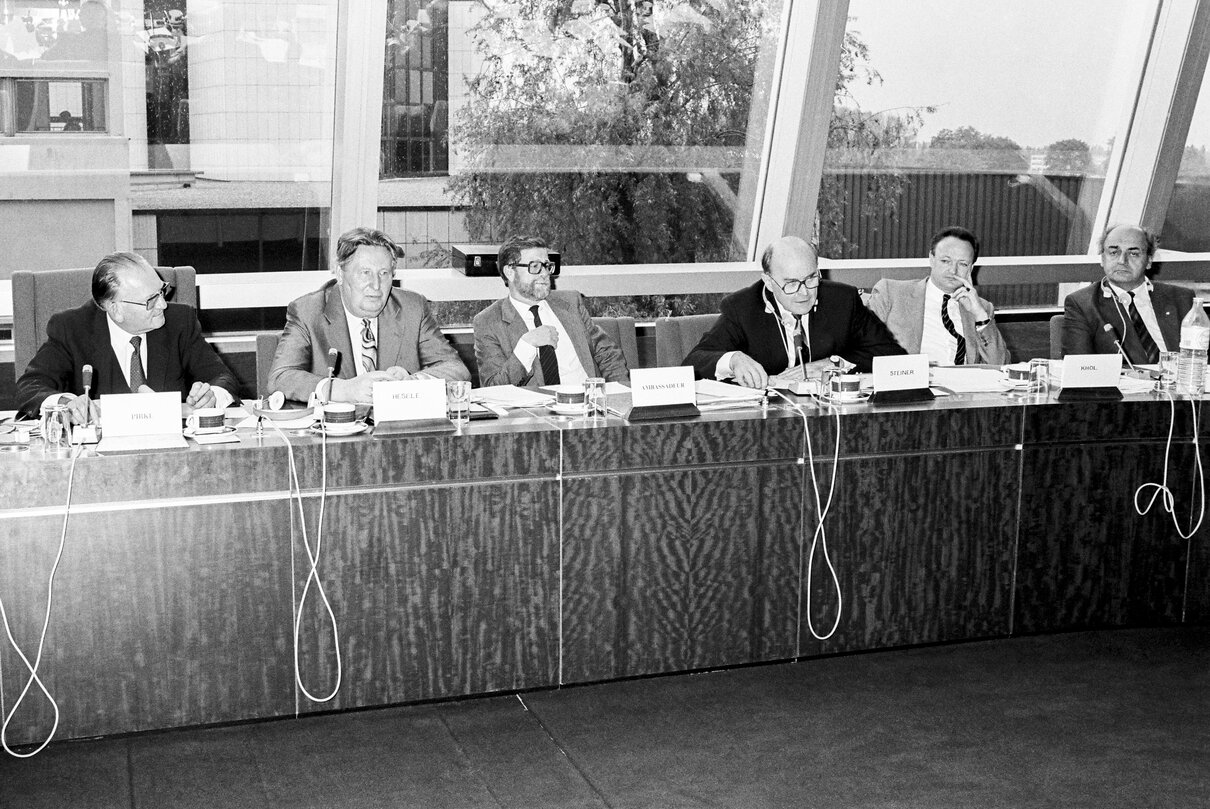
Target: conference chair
38,294
1056,337
621,330
676,336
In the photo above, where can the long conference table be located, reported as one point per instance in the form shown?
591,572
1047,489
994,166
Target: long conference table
538,551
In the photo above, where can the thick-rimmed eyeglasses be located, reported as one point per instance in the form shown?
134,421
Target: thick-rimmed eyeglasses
165,294
538,267
793,285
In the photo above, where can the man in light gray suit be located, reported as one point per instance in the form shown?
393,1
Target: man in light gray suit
382,333
941,315
539,336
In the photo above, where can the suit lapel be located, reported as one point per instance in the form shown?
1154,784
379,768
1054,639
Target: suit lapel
390,335
914,327
515,328
1166,313
338,333
109,375
157,358
579,341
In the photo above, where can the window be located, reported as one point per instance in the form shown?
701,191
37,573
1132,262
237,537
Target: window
1187,224
60,105
1001,119
415,111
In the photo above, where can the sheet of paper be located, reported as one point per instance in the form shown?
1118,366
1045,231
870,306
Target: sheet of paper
967,380
510,396
711,390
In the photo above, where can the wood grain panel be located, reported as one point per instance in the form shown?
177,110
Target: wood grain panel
438,592
923,548
928,427
1086,559
679,570
160,619
1105,421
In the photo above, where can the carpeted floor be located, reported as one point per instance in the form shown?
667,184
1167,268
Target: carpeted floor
1104,719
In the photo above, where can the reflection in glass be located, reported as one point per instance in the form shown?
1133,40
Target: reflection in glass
1187,224
60,106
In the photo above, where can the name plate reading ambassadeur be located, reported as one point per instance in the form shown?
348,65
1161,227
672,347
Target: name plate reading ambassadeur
1091,370
650,387
909,372
409,400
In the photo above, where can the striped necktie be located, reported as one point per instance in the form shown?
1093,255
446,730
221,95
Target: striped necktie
137,378
369,347
1151,352
960,351
546,355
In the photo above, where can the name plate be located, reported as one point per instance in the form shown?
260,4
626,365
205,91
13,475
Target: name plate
1091,370
125,414
409,400
901,373
651,387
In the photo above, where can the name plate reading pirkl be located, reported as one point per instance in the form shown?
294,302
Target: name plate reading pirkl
127,414
650,387
909,372
1091,370
409,400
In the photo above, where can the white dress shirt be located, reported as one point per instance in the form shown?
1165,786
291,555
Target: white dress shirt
1142,302
935,340
571,372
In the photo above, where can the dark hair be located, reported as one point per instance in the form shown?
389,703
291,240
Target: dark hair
510,252
105,280
958,233
1153,241
350,240
766,258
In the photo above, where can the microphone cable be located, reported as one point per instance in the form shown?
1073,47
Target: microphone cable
1161,490
313,559
819,538
33,668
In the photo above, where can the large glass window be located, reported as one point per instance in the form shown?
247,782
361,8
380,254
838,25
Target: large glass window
415,112
1187,224
999,117
621,131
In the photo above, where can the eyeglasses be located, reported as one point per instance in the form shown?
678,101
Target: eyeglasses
538,267
793,285
164,294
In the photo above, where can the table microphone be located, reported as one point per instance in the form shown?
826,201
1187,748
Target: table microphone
86,372
333,367
1113,335
86,433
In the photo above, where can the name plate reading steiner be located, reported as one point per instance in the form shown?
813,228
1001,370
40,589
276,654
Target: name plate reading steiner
656,387
1091,370
409,400
909,372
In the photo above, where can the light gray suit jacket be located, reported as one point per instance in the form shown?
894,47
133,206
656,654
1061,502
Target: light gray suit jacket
499,328
900,305
407,336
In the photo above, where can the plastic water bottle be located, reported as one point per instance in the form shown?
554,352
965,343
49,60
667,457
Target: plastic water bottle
1195,340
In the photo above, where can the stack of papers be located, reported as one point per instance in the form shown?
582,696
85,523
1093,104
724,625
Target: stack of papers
715,395
510,396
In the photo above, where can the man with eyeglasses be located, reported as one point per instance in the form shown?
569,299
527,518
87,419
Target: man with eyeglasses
382,333
941,315
1142,315
538,335
790,324
134,340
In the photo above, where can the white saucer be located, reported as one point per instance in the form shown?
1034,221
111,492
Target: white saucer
340,428
190,432
566,409
283,415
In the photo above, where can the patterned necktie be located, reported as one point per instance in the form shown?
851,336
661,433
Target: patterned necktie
369,348
800,344
960,351
1151,352
137,377
546,355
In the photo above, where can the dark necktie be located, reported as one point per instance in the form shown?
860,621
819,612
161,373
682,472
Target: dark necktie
369,348
960,351
137,378
546,355
800,344
1151,351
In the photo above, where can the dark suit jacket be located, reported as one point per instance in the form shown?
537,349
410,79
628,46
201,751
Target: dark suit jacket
177,356
499,328
839,324
407,336
1087,310
900,305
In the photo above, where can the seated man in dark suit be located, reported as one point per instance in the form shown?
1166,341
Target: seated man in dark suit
790,324
537,335
941,315
1143,316
133,338
382,333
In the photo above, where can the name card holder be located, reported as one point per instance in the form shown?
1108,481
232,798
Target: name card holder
1091,378
657,393
901,379
410,406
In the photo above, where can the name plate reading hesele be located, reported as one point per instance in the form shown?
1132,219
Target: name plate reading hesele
909,372
651,387
1091,370
409,400
130,414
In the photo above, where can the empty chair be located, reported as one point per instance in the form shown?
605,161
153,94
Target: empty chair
621,330
39,294
676,336
1056,337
